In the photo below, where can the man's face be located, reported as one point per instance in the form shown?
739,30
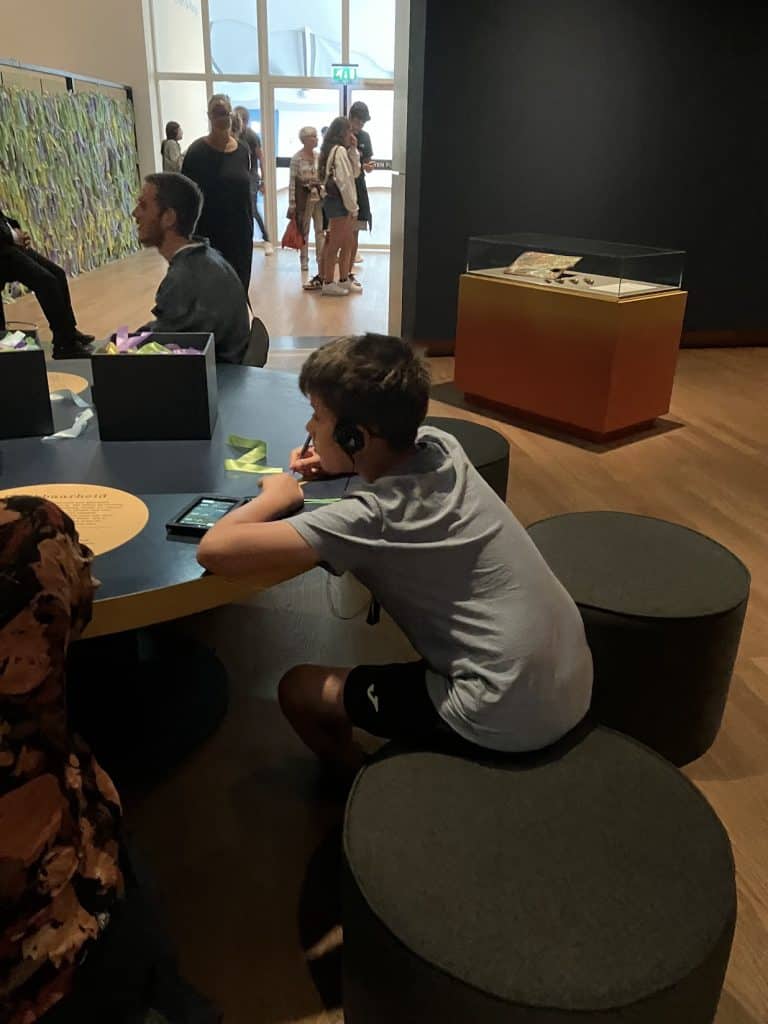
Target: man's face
356,123
148,217
320,428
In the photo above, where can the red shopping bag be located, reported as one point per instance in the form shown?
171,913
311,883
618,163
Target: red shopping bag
292,237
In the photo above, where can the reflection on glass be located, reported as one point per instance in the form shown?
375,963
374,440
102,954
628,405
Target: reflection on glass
372,37
234,37
178,31
295,109
185,102
304,38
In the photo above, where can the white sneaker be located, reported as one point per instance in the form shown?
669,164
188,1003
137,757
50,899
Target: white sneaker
334,289
269,249
352,284
359,259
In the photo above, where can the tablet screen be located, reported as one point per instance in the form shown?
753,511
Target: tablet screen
207,512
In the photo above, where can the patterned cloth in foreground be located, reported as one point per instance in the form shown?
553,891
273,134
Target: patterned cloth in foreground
59,812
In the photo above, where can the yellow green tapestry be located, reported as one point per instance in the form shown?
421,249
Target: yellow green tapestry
69,174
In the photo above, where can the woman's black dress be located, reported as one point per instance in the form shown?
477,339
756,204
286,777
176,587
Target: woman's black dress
227,217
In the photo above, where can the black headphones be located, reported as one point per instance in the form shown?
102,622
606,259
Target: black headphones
349,437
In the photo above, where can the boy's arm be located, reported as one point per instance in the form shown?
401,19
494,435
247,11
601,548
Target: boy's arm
248,541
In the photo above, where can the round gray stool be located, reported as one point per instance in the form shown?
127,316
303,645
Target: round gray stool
663,608
486,449
593,884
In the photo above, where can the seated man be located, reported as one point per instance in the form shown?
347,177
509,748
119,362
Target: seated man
201,292
504,660
19,262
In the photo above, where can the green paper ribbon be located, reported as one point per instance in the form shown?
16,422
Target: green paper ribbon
255,451
241,466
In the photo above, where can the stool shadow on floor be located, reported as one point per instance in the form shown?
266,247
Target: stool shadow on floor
320,918
451,395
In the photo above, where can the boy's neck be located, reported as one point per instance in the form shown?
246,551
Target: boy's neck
380,460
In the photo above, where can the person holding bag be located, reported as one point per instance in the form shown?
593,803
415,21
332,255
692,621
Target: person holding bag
340,207
305,202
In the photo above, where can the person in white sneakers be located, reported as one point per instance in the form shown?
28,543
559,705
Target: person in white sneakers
340,206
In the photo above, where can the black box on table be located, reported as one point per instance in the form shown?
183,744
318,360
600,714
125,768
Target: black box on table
25,402
157,397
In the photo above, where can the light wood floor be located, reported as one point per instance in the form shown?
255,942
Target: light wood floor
231,834
124,292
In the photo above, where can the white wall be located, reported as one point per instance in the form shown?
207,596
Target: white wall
102,38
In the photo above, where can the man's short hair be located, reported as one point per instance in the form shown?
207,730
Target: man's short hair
373,380
360,111
178,193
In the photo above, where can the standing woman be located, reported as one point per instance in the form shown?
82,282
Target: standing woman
220,165
305,200
340,206
170,150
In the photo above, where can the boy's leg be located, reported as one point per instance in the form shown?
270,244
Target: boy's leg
312,699
388,701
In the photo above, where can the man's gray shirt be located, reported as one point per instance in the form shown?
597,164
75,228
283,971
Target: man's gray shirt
202,293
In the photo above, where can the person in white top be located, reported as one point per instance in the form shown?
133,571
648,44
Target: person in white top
170,150
340,205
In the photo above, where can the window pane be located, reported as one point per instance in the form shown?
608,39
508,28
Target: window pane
295,109
372,37
304,38
185,102
178,28
234,37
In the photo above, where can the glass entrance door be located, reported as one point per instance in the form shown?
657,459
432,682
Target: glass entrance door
296,108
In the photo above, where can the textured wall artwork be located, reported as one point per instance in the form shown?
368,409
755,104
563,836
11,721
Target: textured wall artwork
68,174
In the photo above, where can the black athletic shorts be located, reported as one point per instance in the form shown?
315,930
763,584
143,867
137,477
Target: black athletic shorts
391,701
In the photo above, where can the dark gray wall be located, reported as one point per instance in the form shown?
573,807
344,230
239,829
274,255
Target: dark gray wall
619,120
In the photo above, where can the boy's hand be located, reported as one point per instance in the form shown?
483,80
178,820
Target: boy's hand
309,466
282,492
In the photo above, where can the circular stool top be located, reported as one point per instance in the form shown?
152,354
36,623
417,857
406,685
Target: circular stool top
584,882
636,565
483,445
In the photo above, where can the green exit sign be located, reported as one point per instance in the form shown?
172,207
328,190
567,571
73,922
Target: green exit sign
344,73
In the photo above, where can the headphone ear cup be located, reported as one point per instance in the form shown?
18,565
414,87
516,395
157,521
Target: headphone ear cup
349,437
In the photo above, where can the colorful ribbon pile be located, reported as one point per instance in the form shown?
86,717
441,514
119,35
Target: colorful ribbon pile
17,341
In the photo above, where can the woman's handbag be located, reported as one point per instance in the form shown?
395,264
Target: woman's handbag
292,236
331,188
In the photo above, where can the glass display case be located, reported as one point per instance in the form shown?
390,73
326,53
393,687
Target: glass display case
612,270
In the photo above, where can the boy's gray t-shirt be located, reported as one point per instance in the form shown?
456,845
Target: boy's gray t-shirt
509,667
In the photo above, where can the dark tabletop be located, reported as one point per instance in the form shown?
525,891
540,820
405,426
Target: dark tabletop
166,475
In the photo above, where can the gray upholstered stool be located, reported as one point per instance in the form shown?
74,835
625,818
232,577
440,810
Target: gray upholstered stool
663,608
486,449
593,884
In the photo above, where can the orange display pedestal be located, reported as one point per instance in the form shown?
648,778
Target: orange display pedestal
593,365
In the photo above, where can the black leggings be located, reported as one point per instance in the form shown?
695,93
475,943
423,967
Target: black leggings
45,279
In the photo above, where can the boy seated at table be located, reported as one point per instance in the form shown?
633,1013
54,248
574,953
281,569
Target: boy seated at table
503,658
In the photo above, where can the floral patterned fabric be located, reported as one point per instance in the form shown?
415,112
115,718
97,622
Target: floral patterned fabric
59,812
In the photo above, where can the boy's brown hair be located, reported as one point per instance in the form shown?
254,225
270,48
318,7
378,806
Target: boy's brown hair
372,380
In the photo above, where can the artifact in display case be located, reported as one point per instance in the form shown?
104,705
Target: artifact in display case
612,270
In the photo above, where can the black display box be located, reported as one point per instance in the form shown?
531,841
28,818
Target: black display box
157,398
25,402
